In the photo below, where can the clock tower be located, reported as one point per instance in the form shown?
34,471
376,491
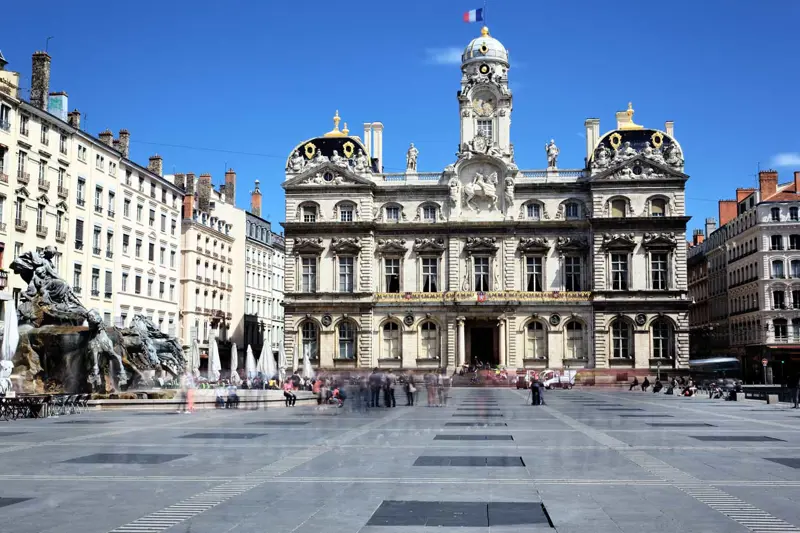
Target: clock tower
484,101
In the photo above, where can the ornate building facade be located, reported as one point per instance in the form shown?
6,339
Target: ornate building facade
482,261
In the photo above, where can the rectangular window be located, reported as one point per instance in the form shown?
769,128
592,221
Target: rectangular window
309,214
658,268
619,272
76,279
164,223
309,274
152,218
152,189
795,266
139,208
95,282
777,269
109,244
534,211
778,300
392,214
45,134
81,195
161,288
79,234
794,242
173,226
481,274
796,304
42,172
126,208
430,274
572,273
24,122
151,252
98,199
392,274
346,213
138,250
124,282
775,213
171,292
125,242
62,144
149,287
162,256
111,201
429,213
485,127
346,274
572,211
776,242
793,214
109,284
533,274
172,258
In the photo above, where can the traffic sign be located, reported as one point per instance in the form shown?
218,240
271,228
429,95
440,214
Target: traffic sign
764,362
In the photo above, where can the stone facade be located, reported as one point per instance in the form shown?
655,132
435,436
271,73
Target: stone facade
482,261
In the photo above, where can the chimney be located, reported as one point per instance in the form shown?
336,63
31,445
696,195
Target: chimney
797,182
156,164
188,199
230,187
768,183
741,194
74,119
115,144
377,144
204,193
40,80
592,136
711,226
125,143
727,211
669,127
255,201
368,138
190,183
180,181
106,137
698,237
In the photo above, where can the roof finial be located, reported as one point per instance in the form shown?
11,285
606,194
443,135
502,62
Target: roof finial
630,110
335,131
336,120
485,31
345,130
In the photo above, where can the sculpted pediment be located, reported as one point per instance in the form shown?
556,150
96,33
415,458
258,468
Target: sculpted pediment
533,245
308,246
346,245
480,245
626,241
327,175
429,245
571,244
660,240
638,167
391,246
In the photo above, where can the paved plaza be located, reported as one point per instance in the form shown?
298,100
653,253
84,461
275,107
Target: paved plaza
590,461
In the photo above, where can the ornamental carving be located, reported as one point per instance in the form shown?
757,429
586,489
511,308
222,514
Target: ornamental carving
571,244
308,246
476,245
391,246
665,240
345,245
429,245
619,240
533,245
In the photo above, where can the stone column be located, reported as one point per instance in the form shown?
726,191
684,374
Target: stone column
501,325
462,345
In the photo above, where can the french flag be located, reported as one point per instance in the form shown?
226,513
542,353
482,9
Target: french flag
475,15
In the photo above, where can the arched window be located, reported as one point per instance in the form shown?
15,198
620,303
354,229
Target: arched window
310,340
391,340
536,345
533,211
572,211
618,208
428,341
346,212
574,341
347,340
663,344
621,340
658,207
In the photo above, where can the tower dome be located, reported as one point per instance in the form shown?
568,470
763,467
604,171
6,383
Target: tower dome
484,48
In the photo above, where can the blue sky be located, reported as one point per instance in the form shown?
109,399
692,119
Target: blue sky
242,82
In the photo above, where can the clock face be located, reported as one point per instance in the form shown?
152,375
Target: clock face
483,104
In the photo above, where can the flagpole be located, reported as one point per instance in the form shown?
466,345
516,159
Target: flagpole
485,20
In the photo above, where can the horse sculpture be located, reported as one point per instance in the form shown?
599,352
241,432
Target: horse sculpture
481,187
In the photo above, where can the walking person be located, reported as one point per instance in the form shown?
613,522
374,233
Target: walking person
534,393
431,390
410,390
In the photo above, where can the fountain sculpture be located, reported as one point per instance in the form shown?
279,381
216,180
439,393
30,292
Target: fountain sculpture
63,342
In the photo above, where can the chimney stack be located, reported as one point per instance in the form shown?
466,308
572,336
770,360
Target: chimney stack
180,181
669,127
592,126
768,183
698,237
74,119
711,226
204,193
255,201
230,187
797,182
115,144
106,137
156,165
188,199
40,80
377,144
125,143
727,211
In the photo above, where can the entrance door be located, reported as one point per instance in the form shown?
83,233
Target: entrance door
482,345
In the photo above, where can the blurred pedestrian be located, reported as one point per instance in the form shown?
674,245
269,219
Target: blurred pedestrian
375,382
410,390
796,391
288,395
389,384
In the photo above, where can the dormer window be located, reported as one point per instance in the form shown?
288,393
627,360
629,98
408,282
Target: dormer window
309,213
429,213
393,214
346,213
572,211
534,212
775,213
618,209
793,214
658,208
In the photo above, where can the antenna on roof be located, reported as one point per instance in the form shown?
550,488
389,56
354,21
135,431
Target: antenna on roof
47,43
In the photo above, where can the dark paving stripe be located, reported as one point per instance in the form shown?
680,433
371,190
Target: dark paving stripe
791,462
222,435
278,423
646,416
475,424
480,409
84,422
473,437
620,409
457,514
735,438
4,502
478,415
680,425
468,460
126,458
9,433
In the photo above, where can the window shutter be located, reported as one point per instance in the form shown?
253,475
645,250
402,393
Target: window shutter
79,230
109,290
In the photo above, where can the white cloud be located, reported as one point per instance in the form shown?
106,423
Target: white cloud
443,56
787,159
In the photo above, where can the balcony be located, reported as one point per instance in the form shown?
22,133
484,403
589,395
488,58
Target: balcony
108,295
198,308
208,280
96,251
21,225
44,185
76,290
5,125
199,278
3,177
23,177
95,292
200,249
61,236
219,313
98,209
111,213
81,202
79,245
109,254
41,231
215,255
215,282
63,192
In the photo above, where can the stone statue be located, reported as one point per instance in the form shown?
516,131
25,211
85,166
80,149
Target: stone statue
319,158
362,162
338,160
626,151
481,187
411,158
465,283
673,156
6,368
601,157
48,299
552,152
100,345
455,192
509,194
297,162
153,348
